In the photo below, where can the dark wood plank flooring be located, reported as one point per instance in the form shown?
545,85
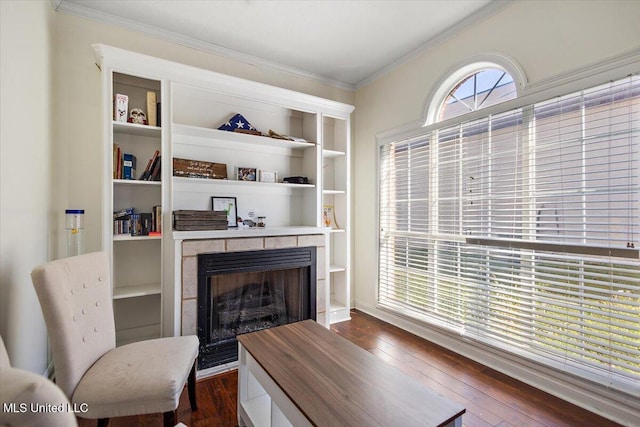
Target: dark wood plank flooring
491,398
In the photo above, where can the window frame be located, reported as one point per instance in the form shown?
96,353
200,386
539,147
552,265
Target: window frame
454,76
531,94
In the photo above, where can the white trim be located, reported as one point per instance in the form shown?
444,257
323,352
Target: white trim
461,71
76,9
120,60
487,11
561,84
621,408
89,13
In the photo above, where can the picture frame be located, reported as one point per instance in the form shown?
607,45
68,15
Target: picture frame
246,174
229,205
268,176
329,217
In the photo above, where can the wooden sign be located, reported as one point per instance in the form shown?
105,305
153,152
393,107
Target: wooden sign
199,169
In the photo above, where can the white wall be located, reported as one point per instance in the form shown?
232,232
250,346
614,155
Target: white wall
25,183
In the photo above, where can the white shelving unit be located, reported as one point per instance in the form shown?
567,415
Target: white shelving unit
197,138
195,103
336,193
136,261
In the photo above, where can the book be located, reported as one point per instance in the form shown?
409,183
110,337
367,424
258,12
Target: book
155,173
128,166
135,225
151,109
122,213
117,162
157,219
147,171
146,223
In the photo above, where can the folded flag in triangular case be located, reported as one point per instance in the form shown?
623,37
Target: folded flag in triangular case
238,123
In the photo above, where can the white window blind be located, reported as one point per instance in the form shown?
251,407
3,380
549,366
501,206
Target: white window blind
521,230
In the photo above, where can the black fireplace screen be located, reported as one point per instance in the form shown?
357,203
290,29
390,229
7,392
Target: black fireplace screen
241,292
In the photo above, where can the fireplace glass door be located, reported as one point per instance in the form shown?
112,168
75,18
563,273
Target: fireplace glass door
253,291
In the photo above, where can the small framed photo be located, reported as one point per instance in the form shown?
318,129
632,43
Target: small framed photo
329,217
268,176
229,205
246,174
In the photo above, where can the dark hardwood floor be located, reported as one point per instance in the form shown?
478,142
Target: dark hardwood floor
491,398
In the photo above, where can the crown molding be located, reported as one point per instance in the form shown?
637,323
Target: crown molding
487,11
76,9
131,25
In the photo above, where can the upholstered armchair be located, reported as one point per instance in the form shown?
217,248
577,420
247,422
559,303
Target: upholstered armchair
139,378
27,397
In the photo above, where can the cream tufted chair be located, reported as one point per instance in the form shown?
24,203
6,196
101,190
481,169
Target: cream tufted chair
27,397
140,378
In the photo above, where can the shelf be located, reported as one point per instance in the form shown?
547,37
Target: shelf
129,238
333,268
332,154
258,410
135,182
339,312
205,181
136,129
209,137
337,230
136,291
248,232
140,333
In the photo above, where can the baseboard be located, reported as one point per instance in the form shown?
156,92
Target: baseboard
621,408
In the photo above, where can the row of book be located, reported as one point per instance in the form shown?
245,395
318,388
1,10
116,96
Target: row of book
129,222
124,166
192,220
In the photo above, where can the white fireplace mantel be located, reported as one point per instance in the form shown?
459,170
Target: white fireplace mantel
180,300
248,232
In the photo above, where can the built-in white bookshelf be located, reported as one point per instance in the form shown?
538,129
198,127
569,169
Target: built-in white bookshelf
195,102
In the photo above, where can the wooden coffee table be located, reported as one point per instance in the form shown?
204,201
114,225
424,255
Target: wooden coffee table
302,374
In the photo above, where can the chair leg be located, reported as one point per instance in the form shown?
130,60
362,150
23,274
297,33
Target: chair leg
191,387
170,419
103,422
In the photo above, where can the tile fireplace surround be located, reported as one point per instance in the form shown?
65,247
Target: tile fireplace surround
262,240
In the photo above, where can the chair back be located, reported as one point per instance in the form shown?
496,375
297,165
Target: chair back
4,357
75,297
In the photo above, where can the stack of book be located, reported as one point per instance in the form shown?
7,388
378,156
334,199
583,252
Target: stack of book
190,220
128,221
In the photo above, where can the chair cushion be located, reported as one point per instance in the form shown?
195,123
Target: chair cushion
24,389
139,378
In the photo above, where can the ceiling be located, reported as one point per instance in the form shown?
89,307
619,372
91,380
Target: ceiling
346,43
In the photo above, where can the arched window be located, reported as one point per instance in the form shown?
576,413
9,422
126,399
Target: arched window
481,83
481,89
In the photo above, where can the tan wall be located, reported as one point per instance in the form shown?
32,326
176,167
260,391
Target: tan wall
25,148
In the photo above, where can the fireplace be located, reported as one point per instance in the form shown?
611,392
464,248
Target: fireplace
240,292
